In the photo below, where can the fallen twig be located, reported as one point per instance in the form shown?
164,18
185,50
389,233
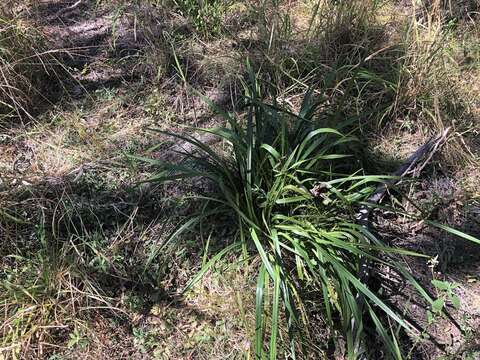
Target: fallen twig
72,7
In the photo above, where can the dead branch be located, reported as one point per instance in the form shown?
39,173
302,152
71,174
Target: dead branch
70,8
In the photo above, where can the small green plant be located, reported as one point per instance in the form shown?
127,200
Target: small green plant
445,295
76,338
145,340
205,15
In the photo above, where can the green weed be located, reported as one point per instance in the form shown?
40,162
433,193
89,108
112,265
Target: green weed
205,15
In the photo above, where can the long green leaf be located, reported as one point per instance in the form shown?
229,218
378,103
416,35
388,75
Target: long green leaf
209,264
259,303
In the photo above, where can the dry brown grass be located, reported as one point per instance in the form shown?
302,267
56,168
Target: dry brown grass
25,65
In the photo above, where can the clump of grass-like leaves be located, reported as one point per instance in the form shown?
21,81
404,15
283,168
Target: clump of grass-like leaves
206,16
47,286
286,182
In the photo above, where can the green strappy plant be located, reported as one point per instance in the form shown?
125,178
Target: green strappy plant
282,178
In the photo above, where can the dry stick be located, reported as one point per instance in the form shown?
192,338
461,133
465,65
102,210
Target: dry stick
63,11
411,166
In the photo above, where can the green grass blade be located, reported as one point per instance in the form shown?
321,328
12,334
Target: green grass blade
209,264
453,231
259,303
275,313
